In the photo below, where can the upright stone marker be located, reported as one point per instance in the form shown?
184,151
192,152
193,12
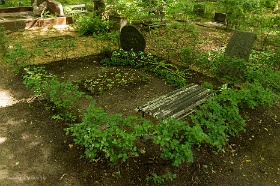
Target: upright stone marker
220,18
131,38
240,45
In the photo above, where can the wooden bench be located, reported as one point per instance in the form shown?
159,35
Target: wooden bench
152,17
177,104
72,9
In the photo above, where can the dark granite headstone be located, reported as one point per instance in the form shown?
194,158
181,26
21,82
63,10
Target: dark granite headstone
132,38
220,18
240,44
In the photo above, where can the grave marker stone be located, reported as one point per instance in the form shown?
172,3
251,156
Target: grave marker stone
240,44
132,38
220,18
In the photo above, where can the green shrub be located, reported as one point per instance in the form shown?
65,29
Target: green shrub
268,3
63,95
238,9
176,138
231,68
220,117
113,136
266,59
91,25
219,121
18,57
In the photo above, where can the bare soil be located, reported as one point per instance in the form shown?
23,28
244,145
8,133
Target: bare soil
34,149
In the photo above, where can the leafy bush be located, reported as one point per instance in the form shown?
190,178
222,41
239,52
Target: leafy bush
63,95
219,121
176,138
113,136
268,3
91,25
266,59
18,57
219,117
231,68
238,9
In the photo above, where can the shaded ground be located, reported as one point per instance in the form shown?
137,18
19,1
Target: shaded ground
34,149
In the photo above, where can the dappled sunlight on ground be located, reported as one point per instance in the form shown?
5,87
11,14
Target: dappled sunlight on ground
2,139
6,99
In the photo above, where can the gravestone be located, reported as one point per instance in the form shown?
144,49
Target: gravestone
240,44
132,38
41,6
220,18
55,8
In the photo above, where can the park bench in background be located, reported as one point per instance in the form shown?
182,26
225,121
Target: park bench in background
152,17
72,9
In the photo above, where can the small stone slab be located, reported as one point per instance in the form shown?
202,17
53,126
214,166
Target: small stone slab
132,38
177,104
240,44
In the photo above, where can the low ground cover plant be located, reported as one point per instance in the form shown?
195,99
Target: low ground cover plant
167,71
109,79
63,96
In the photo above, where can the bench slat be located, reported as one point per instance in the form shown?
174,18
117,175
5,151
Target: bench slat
177,104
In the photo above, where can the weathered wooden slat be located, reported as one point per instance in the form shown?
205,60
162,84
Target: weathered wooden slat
181,104
185,112
177,104
165,98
